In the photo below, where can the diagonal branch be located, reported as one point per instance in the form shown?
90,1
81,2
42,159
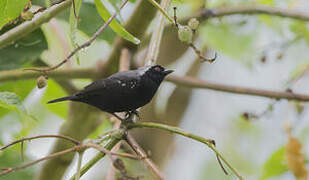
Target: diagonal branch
57,154
140,152
84,45
176,130
29,26
78,147
116,137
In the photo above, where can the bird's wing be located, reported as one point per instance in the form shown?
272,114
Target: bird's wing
122,81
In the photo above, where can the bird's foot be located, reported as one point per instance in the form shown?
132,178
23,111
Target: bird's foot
130,114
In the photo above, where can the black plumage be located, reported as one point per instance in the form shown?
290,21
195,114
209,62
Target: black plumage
123,91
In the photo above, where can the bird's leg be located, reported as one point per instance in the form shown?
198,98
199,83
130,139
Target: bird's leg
135,112
118,117
129,115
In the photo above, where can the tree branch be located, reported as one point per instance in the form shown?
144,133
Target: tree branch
139,151
116,137
76,127
84,45
153,50
38,137
252,10
192,82
186,81
29,26
57,154
78,147
176,130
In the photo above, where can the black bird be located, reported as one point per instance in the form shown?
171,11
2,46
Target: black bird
123,91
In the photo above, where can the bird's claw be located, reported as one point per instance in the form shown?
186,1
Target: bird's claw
129,114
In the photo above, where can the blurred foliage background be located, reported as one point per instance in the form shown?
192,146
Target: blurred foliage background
259,51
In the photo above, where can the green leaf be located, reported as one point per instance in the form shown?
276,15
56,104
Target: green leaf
11,101
54,91
266,2
10,10
114,24
90,22
275,165
73,26
23,51
22,88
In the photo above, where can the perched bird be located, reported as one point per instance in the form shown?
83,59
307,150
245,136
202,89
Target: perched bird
123,91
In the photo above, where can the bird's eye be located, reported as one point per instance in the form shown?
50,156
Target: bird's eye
157,69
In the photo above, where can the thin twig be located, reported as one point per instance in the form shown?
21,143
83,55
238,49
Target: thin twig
162,9
198,52
110,144
175,17
57,154
253,10
86,44
78,147
208,142
38,137
139,151
190,44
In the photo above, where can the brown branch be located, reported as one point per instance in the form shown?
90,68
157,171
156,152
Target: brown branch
86,44
110,153
38,137
78,147
57,154
139,151
192,82
14,75
116,137
198,52
186,81
252,10
175,130
125,59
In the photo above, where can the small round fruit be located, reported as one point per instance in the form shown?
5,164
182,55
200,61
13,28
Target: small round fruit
41,82
193,23
185,34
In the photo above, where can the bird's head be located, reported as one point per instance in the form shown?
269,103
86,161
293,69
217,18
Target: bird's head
156,73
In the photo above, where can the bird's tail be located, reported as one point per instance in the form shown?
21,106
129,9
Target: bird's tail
62,99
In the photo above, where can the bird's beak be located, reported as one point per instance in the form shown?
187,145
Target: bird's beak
166,72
